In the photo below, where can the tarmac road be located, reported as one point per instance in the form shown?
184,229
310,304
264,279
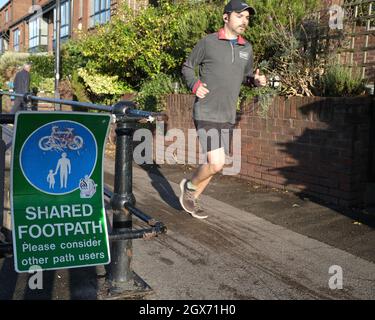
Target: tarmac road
256,244
235,254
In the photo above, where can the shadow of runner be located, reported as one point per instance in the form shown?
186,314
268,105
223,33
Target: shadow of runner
162,185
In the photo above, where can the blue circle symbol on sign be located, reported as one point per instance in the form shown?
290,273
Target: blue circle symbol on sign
56,157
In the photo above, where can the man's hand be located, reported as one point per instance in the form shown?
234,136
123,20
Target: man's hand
202,91
260,80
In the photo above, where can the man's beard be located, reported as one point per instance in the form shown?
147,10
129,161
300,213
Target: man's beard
239,30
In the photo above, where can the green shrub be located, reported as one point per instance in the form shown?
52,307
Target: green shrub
339,80
43,64
152,92
47,85
263,95
10,62
71,58
79,92
139,47
145,51
270,15
11,59
103,88
100,84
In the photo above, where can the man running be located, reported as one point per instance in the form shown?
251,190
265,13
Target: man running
225,61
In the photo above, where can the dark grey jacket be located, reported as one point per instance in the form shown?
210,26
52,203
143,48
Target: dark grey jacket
22,81
223,67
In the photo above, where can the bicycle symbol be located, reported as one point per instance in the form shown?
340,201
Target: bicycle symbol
60,140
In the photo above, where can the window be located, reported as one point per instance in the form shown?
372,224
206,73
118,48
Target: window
100,12
38,29
16,40
34,32
65,20
1,45
6,15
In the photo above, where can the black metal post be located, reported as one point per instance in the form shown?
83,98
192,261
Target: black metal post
120,274
2,168
371,170
123,281
122,251
57,54
34,103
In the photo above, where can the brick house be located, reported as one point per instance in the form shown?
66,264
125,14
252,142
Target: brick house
28,25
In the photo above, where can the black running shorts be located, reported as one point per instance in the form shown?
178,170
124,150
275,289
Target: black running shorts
214,135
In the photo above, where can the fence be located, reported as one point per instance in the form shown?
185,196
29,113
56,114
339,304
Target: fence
354,39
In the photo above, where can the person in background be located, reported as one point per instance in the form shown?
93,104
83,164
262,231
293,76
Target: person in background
21,86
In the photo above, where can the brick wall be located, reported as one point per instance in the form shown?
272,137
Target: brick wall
317,146
80,22
358,56
42,2
3,23
20,9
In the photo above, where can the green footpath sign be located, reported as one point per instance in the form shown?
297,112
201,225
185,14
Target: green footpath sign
58,215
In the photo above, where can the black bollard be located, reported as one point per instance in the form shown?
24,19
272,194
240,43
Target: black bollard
34,103
121,251
123,281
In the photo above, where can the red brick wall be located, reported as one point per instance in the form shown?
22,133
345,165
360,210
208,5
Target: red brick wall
80,22
20,8
317,146
5,24
42,2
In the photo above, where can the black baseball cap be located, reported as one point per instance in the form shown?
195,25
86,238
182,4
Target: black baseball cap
238,6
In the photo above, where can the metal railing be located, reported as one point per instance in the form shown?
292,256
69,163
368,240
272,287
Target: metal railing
122,199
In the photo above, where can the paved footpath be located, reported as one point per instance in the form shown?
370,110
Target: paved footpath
245,249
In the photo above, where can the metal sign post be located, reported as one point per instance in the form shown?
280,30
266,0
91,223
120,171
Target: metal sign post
57,53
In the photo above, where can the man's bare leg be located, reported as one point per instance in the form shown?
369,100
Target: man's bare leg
190,190
201,186
203,175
